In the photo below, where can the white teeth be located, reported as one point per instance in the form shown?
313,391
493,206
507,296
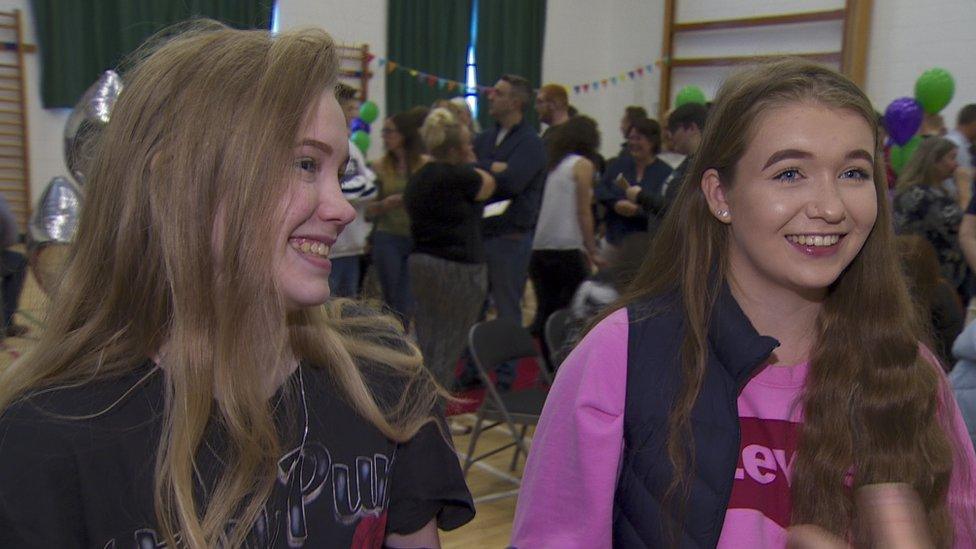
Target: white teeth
814,240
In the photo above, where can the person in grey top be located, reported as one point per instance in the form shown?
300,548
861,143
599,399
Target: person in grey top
13,269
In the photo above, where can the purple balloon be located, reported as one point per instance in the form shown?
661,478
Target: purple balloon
903,118
358,124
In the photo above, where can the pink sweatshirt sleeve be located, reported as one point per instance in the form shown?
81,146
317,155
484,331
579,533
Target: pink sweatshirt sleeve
566,498
961,498
962,485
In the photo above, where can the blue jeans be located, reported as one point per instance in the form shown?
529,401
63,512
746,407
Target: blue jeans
390,253
344,279
508,269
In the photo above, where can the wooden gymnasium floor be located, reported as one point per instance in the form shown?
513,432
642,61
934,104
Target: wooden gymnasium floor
490,481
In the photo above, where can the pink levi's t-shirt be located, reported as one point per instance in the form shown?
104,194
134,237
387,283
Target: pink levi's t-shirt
566,498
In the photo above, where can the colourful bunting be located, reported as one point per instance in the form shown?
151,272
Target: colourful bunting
433,80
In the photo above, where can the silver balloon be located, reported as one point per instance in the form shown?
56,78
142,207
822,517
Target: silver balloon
86,121
51,230
56,216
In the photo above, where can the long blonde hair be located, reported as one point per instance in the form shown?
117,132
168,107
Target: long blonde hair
208,122
871,401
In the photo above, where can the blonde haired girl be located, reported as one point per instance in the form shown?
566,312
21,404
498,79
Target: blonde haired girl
191,388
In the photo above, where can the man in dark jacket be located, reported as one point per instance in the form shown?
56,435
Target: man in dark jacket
513,153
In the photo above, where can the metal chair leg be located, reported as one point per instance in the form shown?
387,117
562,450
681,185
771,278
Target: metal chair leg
518,448
475,433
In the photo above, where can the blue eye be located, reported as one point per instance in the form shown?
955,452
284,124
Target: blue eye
856,173
791,174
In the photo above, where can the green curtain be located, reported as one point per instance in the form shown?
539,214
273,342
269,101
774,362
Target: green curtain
430,36
80,39
511,34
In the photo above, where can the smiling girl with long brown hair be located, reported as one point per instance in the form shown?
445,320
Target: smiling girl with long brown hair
765,371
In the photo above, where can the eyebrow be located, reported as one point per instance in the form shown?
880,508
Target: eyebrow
785,154
860,154
317,144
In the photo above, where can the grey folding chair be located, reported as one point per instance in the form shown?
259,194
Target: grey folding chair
493,342
560,334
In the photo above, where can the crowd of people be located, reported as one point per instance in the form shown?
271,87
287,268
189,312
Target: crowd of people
757,367
461,219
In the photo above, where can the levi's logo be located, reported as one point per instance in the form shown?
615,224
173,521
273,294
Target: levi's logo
765,467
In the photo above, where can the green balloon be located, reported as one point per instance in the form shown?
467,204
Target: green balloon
361,140
689,94
900,155
934,89
368,112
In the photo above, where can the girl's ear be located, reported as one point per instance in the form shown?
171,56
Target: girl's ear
715,195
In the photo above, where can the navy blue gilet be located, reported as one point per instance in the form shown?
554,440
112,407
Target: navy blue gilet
736,350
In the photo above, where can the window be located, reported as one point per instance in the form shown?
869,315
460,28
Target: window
471,68
274,17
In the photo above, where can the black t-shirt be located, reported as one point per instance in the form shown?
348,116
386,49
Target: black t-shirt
89,482
445,218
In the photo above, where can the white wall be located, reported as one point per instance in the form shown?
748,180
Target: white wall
586,41
353,23
909,37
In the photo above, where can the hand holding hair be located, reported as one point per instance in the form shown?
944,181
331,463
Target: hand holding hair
889,515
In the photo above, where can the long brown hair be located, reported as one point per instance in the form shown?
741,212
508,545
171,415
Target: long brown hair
408,125
578,135
206,124
921,167
870,401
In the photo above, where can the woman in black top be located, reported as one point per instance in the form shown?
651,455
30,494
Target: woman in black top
190,388
923,206
447,267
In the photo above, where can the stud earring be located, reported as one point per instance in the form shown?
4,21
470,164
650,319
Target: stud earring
722,213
